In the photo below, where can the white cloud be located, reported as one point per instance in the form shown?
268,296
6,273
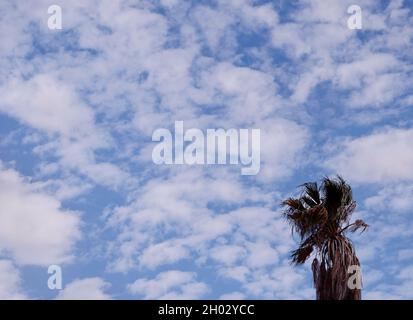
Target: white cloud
241,88
163,253
227,254
397,198
405,254
399,287
238,273
10,282
181,225
218,25
170,285
380,157
406,273
283,283
169,230
323,49
34,229
46,103
232,296
379,90
378,294
351,75
282,144
371,276
130,70
85,289
261,254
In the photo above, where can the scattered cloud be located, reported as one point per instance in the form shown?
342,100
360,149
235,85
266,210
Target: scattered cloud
78,108
34,229
379,157
85,289
170,285
10,282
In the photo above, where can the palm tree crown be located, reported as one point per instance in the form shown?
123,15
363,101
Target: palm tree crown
321,218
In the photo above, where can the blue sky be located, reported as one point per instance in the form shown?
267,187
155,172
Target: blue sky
78,107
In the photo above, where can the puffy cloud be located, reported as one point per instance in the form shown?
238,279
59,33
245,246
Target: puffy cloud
253,91
10,282
46,103
238,273
227,254
261,254
351,75
163,253
396,198
94,92
170,285
233,296
384,156
34,229
401,286
283,282
85,289
283,142
182,224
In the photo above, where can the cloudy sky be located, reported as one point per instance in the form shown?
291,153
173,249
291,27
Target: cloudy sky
78,107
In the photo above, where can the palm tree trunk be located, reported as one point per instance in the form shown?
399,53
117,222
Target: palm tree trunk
331,275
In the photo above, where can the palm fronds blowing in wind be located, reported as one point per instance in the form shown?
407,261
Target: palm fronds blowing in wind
321,217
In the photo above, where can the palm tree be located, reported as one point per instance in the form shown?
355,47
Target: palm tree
321,218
